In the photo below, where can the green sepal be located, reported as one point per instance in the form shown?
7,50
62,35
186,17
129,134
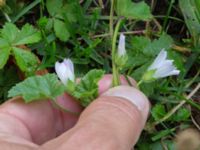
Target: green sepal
121,61
148,76
71,86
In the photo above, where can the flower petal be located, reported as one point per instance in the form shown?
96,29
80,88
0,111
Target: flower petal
163,71
174,72
159,60
61,71
121,45
69,64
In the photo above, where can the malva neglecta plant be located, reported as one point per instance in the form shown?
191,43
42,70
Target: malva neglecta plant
87,89
77,42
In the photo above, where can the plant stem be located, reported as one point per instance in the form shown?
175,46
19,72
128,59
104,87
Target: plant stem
139,83
111,18
116,78
42,6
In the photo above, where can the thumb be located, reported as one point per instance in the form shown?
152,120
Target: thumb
113,121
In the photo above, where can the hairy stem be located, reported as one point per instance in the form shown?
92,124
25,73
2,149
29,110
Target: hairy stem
116,78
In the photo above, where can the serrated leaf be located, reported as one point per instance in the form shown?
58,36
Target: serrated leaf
4,52
37,88
53,6
87,90
14,36
26,60
4,55
165,41
61,30
27,35
136,56
9,32
139,43
129,9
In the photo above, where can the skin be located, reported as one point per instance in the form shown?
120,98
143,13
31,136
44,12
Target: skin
107,123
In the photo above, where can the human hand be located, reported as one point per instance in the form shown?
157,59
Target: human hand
112,121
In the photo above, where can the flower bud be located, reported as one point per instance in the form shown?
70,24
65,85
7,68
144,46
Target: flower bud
65,71
121,46
121,56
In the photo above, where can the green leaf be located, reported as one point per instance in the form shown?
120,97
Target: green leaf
165,41
158,111
9,32
138,43
4,55
61,30
53,6
72,11
37,88
14,36
4,52
182,115
87,90
26,60
4,43
129,9
135,53
27,35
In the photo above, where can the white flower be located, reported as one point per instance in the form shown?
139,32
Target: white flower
121,45
162,66
65,70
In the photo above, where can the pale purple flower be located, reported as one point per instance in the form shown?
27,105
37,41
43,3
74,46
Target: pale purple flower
65,71
163,67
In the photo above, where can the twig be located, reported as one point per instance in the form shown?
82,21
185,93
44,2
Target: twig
181,49
195,123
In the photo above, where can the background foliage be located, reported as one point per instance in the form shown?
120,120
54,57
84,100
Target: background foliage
55,29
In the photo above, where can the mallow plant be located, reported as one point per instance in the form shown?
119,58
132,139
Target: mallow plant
85,89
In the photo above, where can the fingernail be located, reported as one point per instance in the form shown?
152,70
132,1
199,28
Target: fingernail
132,95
